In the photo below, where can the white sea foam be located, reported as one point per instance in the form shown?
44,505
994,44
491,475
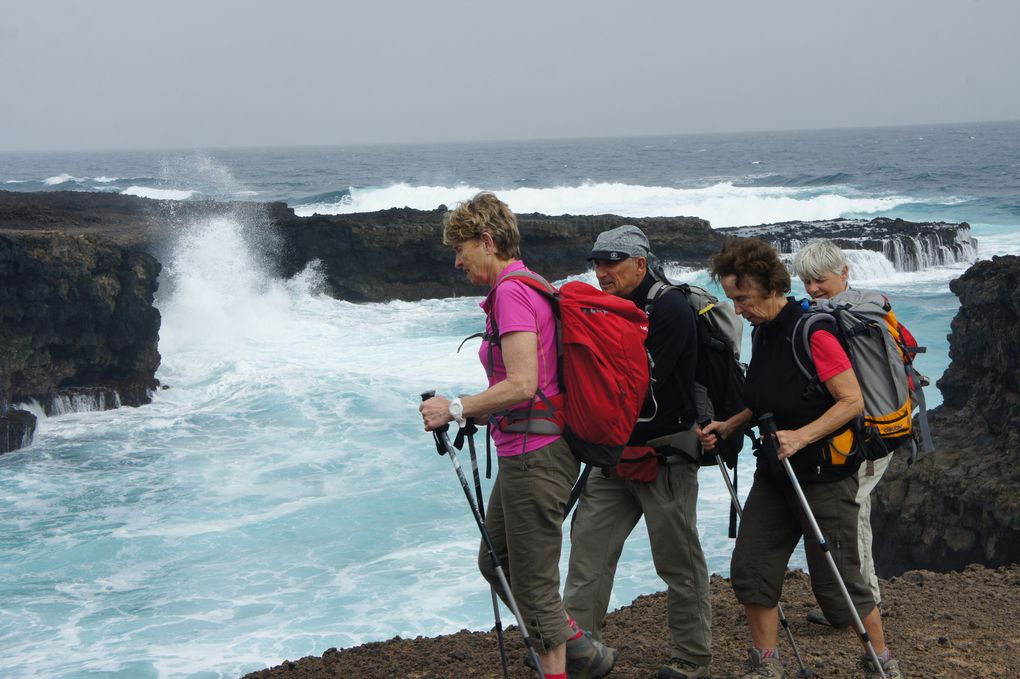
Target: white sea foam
16,181
723,204
159,194
62,179
104,180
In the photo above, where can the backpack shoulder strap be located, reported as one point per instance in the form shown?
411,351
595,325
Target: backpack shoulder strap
532,280
800,341
656,292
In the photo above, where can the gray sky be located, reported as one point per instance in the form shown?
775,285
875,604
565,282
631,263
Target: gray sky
137,74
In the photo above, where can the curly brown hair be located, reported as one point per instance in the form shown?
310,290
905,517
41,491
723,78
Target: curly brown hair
751,258
484,213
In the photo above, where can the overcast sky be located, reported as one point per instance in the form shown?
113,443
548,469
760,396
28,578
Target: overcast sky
211,73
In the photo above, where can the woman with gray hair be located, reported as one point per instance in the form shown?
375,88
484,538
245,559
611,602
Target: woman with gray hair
822,267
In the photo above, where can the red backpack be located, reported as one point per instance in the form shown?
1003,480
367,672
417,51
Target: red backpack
603,371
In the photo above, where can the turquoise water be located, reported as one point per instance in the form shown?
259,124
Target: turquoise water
280,498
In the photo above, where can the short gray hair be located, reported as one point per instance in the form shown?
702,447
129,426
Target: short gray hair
818,259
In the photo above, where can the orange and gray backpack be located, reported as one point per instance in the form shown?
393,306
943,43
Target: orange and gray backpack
881,351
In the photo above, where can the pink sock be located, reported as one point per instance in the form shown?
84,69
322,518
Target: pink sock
767,653
573,625
561,675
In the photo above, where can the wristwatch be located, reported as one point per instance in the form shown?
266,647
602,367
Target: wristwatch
457,411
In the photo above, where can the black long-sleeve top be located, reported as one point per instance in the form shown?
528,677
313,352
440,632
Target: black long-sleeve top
673,344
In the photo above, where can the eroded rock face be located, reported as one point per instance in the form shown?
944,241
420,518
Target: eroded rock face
398,253
76,321
962,504
910,246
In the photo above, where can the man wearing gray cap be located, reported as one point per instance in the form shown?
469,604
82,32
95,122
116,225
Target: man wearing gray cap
665,491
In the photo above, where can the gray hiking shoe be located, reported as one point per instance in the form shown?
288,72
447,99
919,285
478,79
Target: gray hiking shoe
681,668
589,659
890,667
764,668
586,658
817,617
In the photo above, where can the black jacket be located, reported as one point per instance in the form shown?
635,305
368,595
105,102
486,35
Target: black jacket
673,345
776,385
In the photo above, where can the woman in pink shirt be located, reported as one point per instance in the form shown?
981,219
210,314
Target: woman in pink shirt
536,472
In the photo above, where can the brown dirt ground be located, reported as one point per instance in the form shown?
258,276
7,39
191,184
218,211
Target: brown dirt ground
939,625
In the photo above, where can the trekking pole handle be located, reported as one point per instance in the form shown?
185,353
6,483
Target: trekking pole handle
440,448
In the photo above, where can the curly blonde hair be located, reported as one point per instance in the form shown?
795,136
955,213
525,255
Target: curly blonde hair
484,213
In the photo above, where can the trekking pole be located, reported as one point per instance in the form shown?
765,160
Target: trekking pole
444,447
804,672
575,492
468,432
770,442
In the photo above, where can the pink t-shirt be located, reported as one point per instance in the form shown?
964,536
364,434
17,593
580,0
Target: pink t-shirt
828,354
519,308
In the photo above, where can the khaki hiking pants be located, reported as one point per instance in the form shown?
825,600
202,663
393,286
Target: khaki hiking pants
525,522
868,476
606,514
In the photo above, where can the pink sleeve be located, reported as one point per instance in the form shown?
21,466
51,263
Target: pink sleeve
515,308
829,357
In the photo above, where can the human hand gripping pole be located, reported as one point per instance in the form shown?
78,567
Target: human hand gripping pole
445,447
770,447
804,672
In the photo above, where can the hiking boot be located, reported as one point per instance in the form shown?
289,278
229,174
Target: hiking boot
681,668
817,617
890,667
586,658
589,659
764,668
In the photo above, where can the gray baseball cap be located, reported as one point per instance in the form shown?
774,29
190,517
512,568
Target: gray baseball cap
620,243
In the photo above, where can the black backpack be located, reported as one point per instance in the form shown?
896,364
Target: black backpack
719,369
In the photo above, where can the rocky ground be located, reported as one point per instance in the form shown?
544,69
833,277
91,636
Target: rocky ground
940,626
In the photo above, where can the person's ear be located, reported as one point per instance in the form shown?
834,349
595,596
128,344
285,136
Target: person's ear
487,242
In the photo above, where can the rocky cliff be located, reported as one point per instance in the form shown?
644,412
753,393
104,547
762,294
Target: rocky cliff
398,253
910,246
76,323
962,505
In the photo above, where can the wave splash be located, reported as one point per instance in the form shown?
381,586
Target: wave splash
722,204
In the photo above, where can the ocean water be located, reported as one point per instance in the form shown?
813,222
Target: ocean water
279,497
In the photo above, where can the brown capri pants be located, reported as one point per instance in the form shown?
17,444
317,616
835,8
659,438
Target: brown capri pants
525,522
774,523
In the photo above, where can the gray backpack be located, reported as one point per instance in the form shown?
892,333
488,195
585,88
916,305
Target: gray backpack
881,352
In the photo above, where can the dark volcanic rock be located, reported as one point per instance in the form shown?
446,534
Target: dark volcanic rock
16,428
398,253
910,246
76,320
961,504
937,624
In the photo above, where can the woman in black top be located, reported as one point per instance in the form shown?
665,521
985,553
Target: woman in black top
814,434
